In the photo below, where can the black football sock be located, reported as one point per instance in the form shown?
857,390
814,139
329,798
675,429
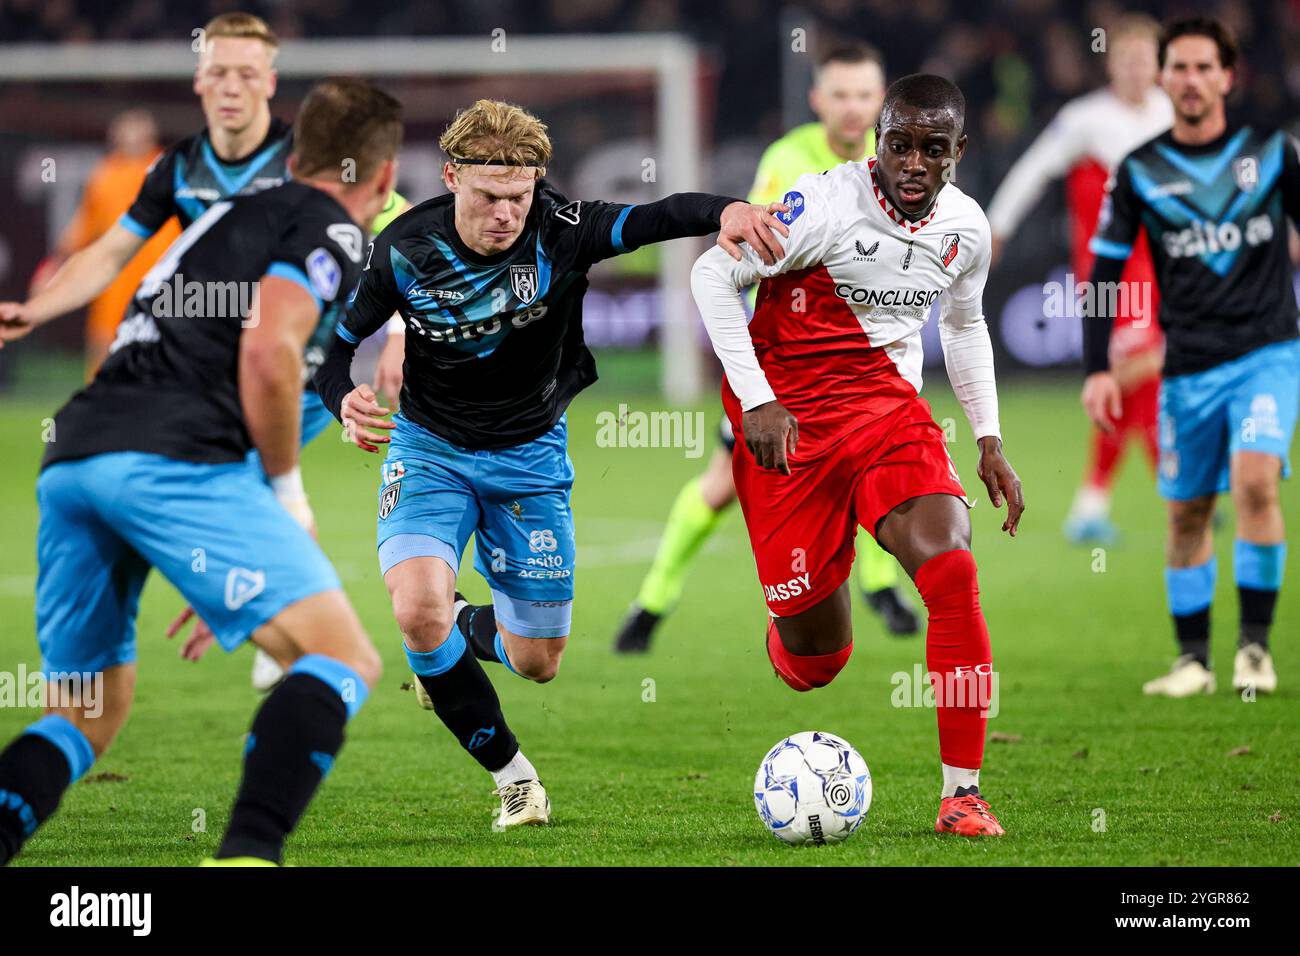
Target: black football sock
478,624
1193,633
1256,615
465,700
35,770
295,737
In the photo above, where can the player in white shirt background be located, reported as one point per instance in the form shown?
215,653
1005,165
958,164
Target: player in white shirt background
822,389
1083,144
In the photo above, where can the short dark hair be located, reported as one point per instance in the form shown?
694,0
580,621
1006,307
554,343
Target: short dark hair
1201,27
852,52
926,91
345,118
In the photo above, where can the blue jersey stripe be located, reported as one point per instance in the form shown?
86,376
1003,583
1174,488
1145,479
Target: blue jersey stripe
1204,168
287,270
132,225
616,234
231,177
1108,249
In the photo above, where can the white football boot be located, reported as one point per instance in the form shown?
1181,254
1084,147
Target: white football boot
266,671
522,804
1187,678
1253,668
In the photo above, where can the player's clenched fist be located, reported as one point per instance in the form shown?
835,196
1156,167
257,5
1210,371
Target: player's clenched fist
360,414
769,430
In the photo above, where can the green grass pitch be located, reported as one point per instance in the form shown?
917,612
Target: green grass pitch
650,761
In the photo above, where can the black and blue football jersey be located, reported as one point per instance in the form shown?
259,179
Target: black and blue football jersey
1216,215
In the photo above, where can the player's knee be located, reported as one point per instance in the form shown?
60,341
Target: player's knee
536,659
1190,519
424,619
540,671
949,577
1256,493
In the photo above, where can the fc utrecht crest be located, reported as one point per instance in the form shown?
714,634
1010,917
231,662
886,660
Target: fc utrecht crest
523,280
948,248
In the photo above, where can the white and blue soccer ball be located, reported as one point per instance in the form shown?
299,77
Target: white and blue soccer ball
812,787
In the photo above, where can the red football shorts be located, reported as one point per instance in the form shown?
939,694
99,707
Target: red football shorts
802,526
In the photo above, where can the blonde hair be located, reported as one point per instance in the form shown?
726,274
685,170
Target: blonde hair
495,133
1135,25
244,26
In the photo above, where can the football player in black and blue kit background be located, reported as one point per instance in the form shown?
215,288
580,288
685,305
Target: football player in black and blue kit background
149,469
242,149
490,280
1215,198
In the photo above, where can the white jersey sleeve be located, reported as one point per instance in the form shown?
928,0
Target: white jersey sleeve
717,281
967,346
1050,156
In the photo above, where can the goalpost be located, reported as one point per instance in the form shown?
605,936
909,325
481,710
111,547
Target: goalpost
502,62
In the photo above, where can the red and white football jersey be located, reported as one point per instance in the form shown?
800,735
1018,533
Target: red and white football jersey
836,330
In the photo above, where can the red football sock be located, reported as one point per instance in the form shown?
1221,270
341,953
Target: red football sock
957,655
1107,451
804,671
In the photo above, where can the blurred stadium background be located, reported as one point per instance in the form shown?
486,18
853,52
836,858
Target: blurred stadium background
696,89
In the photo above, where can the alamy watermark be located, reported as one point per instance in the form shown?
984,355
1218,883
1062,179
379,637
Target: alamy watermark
637,429
1080,299
63,690
965,686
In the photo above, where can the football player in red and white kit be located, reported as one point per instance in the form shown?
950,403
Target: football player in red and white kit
1084,143
822,388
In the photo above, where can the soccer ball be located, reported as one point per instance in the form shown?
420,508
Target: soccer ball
812,787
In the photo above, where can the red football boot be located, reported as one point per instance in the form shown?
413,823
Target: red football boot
967,815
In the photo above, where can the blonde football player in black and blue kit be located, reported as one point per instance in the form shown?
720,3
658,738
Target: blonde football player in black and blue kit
149,470
1215,199
490,280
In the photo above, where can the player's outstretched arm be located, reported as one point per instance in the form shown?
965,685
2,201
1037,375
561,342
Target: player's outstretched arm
602,230
82,277
1053,152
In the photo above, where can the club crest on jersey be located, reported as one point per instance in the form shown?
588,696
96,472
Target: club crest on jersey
948,248
795,203
388,499
523,280
1245,170
324,273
